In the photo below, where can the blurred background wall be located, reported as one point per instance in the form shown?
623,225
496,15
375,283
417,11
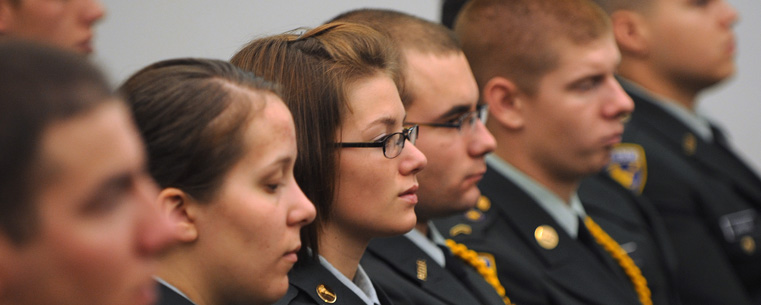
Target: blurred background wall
136,33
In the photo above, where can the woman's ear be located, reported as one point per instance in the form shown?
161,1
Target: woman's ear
631,32
181,210
505,102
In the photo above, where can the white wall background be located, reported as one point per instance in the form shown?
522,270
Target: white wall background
136,33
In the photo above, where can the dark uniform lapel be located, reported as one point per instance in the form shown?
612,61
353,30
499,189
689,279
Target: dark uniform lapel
402,255
629,218
573,268
713,157
307,278
382,296
167,296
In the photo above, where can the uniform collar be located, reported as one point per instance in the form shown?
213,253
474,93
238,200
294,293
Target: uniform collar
429,245
566,215
361,285
697,123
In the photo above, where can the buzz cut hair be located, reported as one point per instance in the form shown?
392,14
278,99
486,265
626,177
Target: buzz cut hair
520,39
407,33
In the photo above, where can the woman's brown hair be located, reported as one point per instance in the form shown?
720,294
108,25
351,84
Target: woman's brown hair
315,71
187,113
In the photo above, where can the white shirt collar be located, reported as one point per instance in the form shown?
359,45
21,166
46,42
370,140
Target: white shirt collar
566,215
693,120
429,246
361,285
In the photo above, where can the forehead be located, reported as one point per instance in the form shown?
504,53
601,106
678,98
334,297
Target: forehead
373,100
439,82
272,125
78,154
600,55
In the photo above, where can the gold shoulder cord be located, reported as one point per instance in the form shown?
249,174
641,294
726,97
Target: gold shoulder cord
623,259
471,257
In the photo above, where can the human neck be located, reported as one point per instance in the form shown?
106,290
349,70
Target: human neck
342,249
562,187
422,226
180,270
660,85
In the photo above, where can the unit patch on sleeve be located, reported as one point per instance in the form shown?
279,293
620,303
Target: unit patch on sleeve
628,166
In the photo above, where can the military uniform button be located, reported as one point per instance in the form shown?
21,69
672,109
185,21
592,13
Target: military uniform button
546,237
689,144
484,204
748,244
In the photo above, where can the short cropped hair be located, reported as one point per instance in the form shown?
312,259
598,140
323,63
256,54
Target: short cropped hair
39,86
517,39
193,128
315,71
407,32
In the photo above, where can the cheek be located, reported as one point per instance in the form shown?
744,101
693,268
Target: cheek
363,176
99,265
366,187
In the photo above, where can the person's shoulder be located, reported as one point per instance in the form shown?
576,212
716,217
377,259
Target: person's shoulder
473,222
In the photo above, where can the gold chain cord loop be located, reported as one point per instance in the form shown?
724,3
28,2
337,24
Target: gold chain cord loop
472,258
623,259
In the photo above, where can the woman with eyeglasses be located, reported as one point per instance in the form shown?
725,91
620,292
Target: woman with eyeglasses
222,147
356,161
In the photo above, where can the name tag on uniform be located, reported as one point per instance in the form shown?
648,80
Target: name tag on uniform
738,224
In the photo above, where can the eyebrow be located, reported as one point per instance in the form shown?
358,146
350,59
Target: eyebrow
456,110
119,183
386,121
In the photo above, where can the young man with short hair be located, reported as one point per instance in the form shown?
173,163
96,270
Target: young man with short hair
78,219
545,68
672,50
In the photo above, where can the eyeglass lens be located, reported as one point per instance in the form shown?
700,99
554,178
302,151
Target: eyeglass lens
394,144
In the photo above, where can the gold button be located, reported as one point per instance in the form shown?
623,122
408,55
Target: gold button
689,144
326,294
546,237
484,204
473,215
748,244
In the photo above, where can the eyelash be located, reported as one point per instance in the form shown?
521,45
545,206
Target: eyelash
273,188
589,83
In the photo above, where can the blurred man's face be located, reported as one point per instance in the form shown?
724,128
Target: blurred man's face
64,23
692,43
98,228
443,90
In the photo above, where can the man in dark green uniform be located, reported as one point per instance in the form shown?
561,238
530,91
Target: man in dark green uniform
440,95
545,69
709,198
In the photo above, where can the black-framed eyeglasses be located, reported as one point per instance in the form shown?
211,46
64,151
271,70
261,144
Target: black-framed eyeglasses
392,144
465,123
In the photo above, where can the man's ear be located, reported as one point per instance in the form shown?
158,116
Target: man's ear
631,32
505,102
182,211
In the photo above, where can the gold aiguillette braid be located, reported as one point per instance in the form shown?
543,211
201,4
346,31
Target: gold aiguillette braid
623,259
471,257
